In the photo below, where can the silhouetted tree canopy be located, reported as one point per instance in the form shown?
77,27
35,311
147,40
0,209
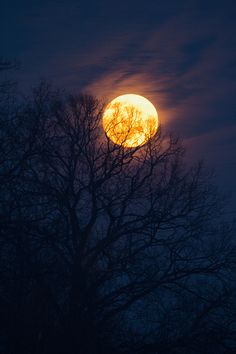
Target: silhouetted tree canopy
106,249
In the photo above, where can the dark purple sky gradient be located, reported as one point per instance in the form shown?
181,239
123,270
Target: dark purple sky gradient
179,54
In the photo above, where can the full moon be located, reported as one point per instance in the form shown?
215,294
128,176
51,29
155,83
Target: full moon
130,120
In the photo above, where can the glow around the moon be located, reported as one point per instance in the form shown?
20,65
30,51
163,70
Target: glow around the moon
130,120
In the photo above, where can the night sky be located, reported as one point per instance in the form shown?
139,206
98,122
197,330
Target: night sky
179,54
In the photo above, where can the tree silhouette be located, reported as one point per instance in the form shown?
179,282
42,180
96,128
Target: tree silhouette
103,248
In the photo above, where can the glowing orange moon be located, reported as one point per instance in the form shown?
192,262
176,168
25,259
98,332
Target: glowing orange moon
130,120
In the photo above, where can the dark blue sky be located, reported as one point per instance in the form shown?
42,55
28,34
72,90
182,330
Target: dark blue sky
179,54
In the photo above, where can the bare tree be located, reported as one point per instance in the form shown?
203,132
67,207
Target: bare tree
116,249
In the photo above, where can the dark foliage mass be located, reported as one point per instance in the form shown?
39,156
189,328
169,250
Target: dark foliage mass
105,249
